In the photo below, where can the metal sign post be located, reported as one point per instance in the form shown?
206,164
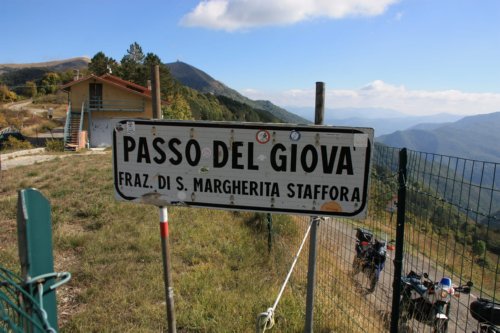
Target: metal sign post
165,248
311,271
167,276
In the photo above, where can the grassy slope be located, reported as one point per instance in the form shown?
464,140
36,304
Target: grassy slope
222,273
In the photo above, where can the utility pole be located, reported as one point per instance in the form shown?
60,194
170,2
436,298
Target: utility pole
155,94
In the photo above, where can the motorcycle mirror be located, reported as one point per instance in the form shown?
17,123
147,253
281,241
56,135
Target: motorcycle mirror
470,284
426,275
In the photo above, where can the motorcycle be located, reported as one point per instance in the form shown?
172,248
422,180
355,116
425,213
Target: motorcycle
427,301
487,313
370,256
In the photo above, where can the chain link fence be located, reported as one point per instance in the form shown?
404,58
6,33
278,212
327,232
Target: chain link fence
451,229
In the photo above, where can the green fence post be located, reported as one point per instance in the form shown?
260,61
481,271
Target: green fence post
34,230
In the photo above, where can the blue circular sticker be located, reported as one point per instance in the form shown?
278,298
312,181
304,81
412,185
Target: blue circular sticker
295,135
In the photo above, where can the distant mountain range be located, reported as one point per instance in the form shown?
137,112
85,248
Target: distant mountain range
56,66
197,79
474,137
384,121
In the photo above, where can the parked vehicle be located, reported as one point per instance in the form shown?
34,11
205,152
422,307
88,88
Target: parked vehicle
370,256
427,301
487,313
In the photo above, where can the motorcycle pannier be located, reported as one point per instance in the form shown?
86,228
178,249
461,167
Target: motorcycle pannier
485,311
363,235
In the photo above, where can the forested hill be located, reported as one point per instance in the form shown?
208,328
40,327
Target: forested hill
474,137
15,76
195,78
38,79
191,93
56,65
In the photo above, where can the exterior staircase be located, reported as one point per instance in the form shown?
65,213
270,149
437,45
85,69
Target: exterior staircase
72,133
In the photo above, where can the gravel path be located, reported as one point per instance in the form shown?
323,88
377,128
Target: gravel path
37,155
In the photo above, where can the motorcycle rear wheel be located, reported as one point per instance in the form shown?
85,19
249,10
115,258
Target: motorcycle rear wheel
441,326
372,281
404,313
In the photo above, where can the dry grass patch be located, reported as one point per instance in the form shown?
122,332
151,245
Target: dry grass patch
223,274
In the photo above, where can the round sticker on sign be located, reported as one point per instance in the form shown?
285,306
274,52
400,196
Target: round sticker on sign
130,127
295,135
263,136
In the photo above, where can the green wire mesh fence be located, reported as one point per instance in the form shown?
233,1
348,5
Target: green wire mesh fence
19,311
21,302
452,229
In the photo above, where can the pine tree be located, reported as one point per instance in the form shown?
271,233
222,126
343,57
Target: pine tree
132,64
100,64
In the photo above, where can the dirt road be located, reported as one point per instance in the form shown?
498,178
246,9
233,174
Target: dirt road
26,105
37,155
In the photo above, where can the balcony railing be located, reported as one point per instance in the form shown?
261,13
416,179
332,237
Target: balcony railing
115,105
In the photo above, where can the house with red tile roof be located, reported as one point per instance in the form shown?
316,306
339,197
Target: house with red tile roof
97,103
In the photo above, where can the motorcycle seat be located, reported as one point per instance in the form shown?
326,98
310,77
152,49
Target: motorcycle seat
416,283
486,311
412,274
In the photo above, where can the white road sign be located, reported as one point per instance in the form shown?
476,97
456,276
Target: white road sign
281,168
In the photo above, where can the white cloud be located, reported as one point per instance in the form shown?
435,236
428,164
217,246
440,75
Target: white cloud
379,94
232,15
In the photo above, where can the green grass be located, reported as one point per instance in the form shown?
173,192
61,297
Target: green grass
223,275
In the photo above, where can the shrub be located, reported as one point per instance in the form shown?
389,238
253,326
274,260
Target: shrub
15,144
54,145
57,98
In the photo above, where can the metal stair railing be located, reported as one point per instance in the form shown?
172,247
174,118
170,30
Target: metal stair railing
67,125
81,122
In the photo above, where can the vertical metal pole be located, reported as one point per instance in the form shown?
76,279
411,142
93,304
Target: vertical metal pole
167,276
269,232
311,272
400,236
155,94
320,103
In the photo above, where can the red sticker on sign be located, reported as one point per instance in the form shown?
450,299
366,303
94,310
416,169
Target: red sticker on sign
263,136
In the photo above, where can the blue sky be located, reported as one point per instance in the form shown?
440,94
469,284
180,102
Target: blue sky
414,56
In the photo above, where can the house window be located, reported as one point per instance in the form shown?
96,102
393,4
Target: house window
95,95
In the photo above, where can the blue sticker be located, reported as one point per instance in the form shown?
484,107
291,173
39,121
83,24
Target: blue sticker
295,135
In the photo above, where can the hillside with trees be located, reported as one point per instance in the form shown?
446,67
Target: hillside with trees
473,137
195,78
186,95
183,101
